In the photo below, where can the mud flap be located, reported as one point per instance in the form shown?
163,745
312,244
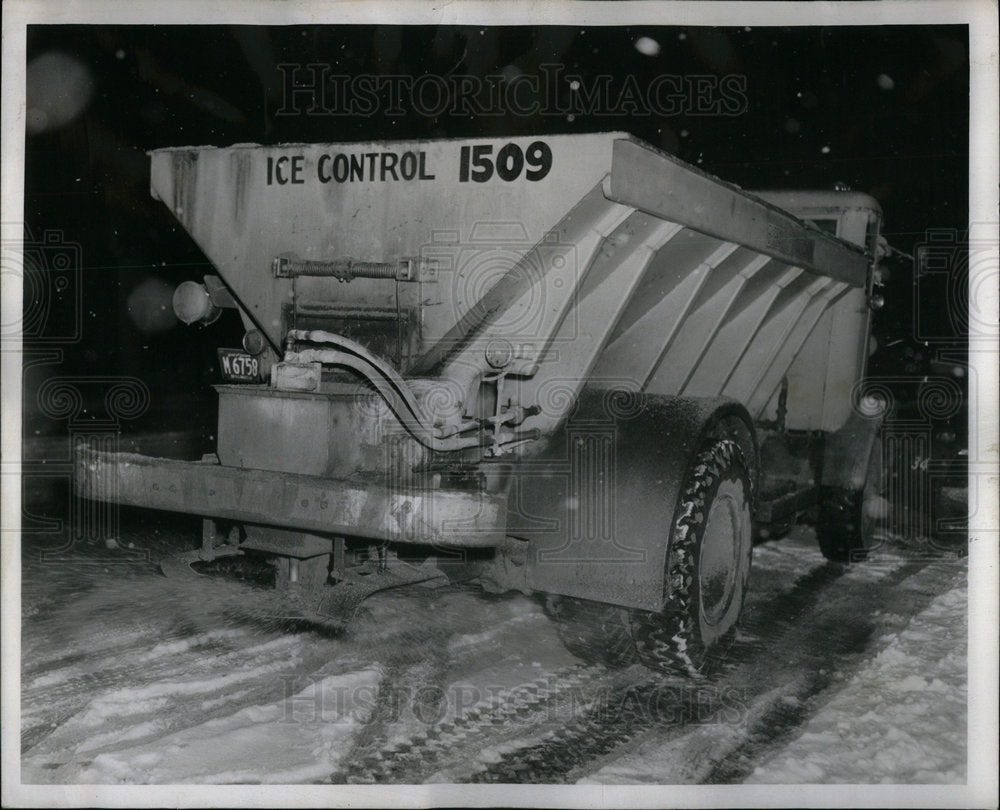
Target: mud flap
607,483
846,451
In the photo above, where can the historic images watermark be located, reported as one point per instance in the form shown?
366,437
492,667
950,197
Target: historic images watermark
314,89
310,701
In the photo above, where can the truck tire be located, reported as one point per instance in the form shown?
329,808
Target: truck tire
593,631
847,519
707,569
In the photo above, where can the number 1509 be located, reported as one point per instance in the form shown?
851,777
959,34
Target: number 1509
478,164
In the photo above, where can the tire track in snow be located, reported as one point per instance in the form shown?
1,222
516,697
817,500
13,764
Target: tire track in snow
179,655
781,689
795,619
487,722
542,727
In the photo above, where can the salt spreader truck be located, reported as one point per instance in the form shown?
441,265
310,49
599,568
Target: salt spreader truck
570,365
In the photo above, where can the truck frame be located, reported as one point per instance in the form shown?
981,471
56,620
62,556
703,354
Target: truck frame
569,365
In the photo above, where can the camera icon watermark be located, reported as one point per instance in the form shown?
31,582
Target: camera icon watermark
496,274
921,498
91,411
956,275
48,267
952,272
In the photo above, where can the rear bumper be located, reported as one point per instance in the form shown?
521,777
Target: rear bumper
452,518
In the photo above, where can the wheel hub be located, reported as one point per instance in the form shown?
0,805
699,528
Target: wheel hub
723,544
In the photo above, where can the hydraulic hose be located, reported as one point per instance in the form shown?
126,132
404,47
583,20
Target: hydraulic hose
383,369
389,384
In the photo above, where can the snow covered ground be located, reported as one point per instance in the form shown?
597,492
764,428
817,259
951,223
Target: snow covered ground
901,719
896,714
840,674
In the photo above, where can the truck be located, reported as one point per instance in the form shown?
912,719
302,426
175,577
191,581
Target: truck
569,365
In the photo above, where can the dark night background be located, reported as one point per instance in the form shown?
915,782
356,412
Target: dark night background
882,110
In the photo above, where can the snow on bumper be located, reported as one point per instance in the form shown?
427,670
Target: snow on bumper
308,503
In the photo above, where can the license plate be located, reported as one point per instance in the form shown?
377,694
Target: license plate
238,366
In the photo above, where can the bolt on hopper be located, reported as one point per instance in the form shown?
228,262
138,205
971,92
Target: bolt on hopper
569,364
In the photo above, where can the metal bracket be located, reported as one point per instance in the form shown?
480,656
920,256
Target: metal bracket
350,269
219,293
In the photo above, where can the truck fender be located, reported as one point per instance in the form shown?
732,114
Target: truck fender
596,502
846,451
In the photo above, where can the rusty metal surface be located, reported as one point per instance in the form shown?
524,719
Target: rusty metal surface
436,517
